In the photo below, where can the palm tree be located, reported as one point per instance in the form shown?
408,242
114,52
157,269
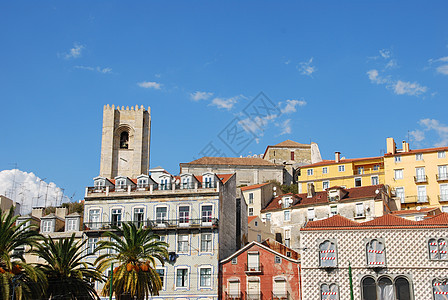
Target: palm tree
69,275
18,280
136,250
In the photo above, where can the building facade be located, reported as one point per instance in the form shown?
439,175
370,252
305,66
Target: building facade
258,230
288,213
257,196
258,272
348,173
419,178
390,258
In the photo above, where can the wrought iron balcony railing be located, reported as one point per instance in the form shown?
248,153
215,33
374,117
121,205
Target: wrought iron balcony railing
253,268
420,179
443,197
155,224
442,177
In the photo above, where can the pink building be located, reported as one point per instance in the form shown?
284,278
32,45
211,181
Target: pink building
259,272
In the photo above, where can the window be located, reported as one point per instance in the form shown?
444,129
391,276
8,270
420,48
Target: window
94,218
124,140
288,237
376,255
251,198
234,289
268,216
341,168
253,261
311,214
443,172
206,242
253,288
47,226
443,192
235,261
186,183
325,185
138,216
309,172
376,167
207,213
142,182
259,238
445,209
208,182
287,215
329,291
278,259
161,215
397,158
181,277
398,174
421,194
333,210
99,184
327,254
437,249
419,156
360,210
72,225
205,277
440,289
256,223
292,155
91,245
360,170
279,290
286,202
325,170
441,154
399,191
182,243
358,182
385,288
120,183
161,273
116,217
375,180
184,214
420,175
164,185
251,211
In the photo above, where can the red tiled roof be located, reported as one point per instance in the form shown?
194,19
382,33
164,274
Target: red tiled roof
291,144
413,211
342,161
234,161
388,221
426,150
251,218
254,186
322,197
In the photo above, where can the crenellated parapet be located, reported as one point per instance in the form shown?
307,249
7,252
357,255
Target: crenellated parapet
122,108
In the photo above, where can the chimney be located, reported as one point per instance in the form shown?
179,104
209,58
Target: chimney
310,188
337,157
37,212
61,212
390,146
405,146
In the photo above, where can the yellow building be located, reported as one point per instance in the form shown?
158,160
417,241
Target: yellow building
347,173
417,177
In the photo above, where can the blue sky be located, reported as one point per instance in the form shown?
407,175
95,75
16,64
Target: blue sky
345,74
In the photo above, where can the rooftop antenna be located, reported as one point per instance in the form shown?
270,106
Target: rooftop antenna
13,191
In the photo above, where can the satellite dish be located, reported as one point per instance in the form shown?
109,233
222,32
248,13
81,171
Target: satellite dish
280,201
418,208
274,188
275,194
377,192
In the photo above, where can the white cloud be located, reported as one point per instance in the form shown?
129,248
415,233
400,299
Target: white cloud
226,103
306,68
442,69
375,78
409,88
291,106
75,52
149,85
432,125
196,96
391,64
385,53
95,69
29,190
257,124
441,59
285,127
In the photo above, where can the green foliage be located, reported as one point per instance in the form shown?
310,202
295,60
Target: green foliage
293,188
136,250
16,276
74,207
68,274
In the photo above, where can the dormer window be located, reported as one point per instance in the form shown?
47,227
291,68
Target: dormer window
142,182
375,253
72,225
186,183
286,202
120,183
99,184
164,184
124,140
334,195
47,226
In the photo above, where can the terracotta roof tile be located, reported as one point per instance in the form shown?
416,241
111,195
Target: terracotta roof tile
251,218
426,150
236,161
342,161
413,211
291,144
254,186
335,221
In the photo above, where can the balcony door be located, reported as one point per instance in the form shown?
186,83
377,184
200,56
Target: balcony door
253,261
253,288
184,215
279,289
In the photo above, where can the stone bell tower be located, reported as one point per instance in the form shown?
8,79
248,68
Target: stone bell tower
125,142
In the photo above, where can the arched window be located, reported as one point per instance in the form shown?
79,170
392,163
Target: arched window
124,140
369,289
402,289
376,256
440,289
327,254
329,291
385,289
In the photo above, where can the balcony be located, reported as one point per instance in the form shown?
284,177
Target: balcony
254,295
253,269
280,296
442,177
416,199
234,296
443,197
421,179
